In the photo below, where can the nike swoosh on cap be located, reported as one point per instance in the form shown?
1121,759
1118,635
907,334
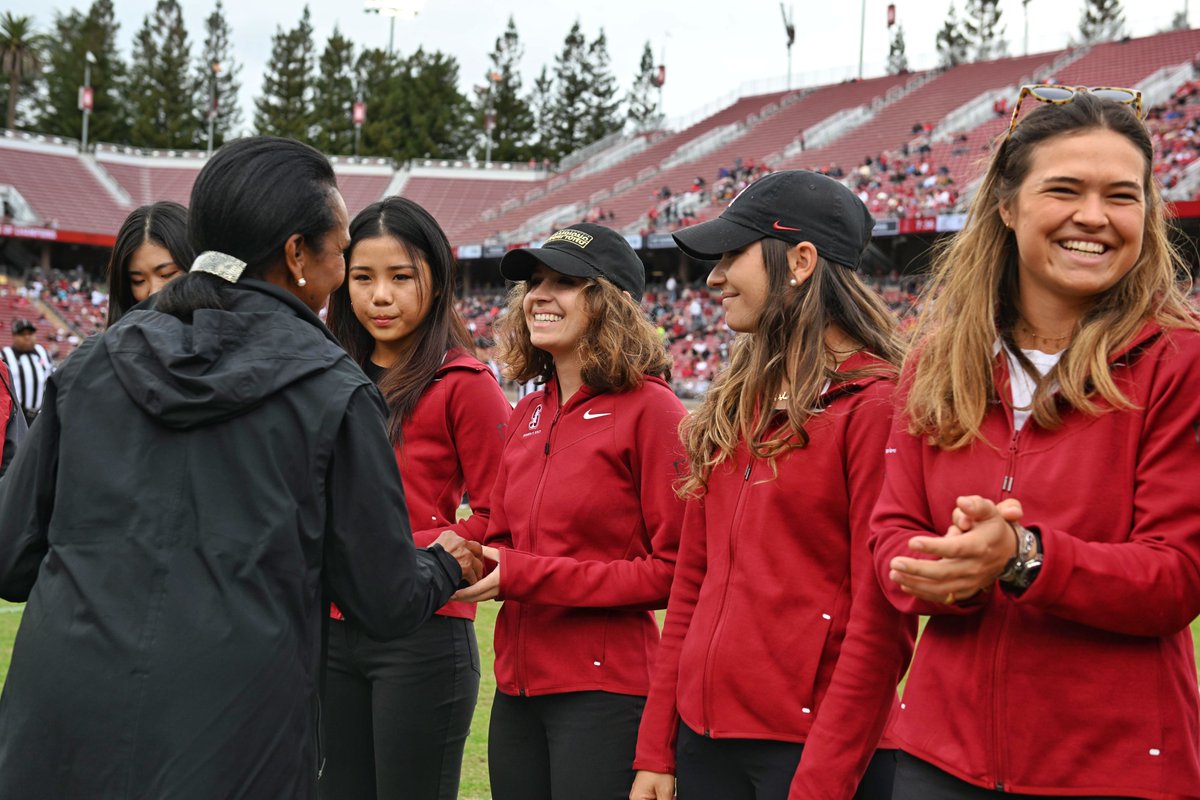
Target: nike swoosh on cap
780,227
589,415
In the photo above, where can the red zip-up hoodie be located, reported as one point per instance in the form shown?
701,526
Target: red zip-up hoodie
585,508
773,569
451,444
1085,684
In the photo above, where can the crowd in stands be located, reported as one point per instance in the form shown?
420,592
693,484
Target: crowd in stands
1173,128
673,209
689,318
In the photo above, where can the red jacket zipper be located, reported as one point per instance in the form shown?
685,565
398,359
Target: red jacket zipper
712,646
533,509
999,702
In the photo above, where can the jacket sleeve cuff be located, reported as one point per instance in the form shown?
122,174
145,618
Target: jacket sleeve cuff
446,573
514,573
1058,563
654,765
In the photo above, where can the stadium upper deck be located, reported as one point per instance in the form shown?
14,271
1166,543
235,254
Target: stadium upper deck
53,193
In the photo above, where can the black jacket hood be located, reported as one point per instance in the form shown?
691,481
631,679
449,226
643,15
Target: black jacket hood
225,362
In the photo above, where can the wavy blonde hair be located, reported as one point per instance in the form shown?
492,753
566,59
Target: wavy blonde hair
618,348
788,340
971,301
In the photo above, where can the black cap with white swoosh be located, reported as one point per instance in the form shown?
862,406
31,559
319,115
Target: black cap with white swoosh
794,206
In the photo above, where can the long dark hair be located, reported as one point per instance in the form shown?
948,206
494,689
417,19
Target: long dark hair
163,223
442,329
249,199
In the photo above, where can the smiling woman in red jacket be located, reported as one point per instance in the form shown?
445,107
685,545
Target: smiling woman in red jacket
1040,498
779,649
398,713
585,523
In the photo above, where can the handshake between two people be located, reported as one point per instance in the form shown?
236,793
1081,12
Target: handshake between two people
471,558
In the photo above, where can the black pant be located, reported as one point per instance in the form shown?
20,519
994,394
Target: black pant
572,746
920,780
757,769
397,713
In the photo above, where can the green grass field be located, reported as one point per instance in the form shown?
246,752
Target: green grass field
474,779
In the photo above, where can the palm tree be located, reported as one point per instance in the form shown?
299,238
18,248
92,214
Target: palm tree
20,56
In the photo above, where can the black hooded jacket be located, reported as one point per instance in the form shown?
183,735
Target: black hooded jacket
190,497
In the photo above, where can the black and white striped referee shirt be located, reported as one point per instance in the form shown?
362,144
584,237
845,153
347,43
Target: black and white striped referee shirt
29,371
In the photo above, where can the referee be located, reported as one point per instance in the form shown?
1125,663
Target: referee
29,365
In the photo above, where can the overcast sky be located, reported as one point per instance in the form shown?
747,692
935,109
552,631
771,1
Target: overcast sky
711,48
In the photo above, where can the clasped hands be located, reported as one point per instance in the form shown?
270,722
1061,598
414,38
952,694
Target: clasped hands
488,586
975,550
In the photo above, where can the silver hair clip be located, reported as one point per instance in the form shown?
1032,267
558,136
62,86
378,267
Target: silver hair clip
219,264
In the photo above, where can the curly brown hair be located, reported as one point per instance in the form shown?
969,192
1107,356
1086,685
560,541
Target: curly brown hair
618,348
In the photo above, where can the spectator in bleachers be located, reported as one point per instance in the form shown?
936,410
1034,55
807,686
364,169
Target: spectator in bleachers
152,249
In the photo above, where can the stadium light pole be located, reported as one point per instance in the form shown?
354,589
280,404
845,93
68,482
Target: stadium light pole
212,105
85,95
1025,5
862,37
393,9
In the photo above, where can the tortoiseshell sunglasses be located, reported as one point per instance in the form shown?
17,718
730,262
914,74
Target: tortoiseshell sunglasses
1060,95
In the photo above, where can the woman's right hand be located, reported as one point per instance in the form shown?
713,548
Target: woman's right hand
468,554
652,786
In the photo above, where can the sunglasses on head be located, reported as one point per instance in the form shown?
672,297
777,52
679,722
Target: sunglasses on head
1060,95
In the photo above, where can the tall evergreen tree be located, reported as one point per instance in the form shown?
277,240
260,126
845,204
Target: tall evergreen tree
22,52
603,102
569,114
162,86
512,118
379,85
541,105
218,50
283,107
983,31
433,109
642,101
952,43
333,97
897,63
75,35
1101,21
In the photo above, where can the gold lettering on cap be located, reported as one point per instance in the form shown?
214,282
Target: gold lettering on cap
577,238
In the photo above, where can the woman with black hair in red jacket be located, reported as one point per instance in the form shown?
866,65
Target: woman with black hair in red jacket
585,523
780,655
398,713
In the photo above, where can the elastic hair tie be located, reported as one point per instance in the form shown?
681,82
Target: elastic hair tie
220,264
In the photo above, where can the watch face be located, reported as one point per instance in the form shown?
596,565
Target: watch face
1027,572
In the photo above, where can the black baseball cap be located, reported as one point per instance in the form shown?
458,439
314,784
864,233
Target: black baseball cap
585,250
22,325
793,205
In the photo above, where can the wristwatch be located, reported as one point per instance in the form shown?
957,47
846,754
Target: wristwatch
1025,565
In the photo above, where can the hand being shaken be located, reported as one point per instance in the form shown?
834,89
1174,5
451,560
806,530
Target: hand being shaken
486,589
468,554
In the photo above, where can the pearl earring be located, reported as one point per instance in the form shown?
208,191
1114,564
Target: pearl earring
792,282
302,282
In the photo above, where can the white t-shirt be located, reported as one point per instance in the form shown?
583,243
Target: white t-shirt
1022,383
